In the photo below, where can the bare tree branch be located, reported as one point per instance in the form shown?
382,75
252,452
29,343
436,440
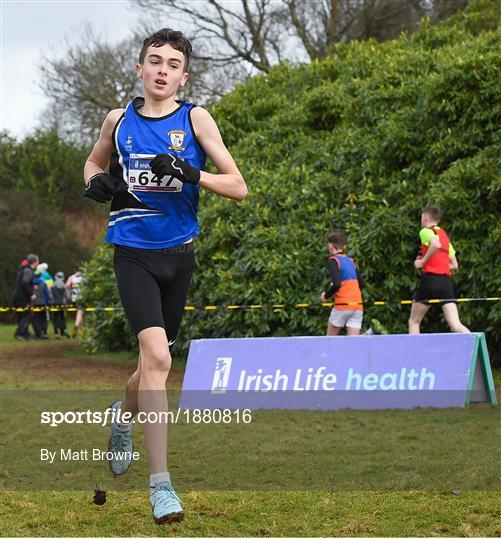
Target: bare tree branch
232,39
301,29
256,36
85,85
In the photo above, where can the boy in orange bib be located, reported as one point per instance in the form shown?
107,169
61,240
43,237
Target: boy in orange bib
346,289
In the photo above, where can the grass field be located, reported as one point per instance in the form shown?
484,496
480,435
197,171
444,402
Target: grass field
424,472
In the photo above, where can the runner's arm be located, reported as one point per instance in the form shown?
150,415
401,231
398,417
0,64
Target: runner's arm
453,262
335,278
229,182
434,246
430,239
27,282
99,158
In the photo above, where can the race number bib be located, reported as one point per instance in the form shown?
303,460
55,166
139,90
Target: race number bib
141,178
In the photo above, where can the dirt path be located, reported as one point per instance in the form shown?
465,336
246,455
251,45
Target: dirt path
51,361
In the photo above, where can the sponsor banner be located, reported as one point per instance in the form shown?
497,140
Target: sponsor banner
362,372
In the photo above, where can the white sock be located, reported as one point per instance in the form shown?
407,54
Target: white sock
158,478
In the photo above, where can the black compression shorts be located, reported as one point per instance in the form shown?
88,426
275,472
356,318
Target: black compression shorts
153,285
434,286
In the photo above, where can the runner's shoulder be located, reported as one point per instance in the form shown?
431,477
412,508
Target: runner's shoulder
110,122
426,234
202,121
199,114
114,116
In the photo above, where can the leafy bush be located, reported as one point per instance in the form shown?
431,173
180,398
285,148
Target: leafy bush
41,205
44,163
362,141
27,225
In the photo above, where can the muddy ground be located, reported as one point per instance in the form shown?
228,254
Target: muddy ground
56,360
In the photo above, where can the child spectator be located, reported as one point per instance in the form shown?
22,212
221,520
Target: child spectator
40,303
46,275
74,282
61,296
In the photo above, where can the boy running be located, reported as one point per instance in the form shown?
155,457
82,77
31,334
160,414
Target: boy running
156,151
437,260
346,287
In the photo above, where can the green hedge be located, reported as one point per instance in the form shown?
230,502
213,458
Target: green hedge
41,204
362,140
45,163
29,225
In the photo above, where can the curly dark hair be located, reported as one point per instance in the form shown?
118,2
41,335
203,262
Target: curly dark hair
174,38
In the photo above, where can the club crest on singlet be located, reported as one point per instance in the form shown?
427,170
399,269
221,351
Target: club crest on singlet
176,139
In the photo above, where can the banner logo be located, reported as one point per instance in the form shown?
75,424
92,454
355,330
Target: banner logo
221,375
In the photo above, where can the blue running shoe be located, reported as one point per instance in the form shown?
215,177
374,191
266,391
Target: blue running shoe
166,506
120,444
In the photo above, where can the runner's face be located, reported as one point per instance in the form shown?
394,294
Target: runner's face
162,71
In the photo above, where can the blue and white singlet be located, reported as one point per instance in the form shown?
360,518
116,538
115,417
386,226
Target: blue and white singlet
148,212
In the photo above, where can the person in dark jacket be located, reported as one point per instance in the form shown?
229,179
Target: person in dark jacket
60,297
23,295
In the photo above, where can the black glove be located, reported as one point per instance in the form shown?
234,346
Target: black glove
101,187
169,165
